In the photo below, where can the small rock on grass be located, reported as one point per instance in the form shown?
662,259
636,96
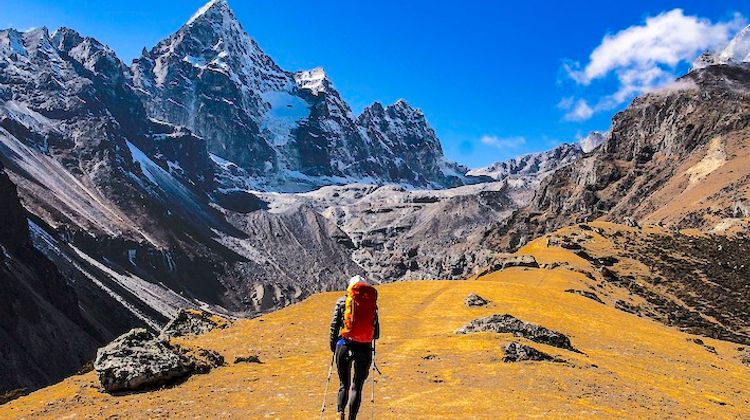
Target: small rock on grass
475,300
587,294
247,359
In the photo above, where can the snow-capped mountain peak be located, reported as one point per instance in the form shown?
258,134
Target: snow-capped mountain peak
213,78
213,7
213,41
736,52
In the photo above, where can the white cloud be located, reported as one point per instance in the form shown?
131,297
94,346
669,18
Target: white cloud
644,57
579,110
503,143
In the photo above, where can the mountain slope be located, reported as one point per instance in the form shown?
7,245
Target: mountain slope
626,368
35,304
398,234
677,156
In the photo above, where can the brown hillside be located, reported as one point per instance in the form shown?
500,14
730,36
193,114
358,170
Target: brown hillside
630,366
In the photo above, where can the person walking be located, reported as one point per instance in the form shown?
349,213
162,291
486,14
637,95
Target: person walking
354,328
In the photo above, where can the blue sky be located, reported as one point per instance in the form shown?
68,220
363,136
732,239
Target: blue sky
495,79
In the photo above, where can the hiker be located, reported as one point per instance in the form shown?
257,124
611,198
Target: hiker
353,328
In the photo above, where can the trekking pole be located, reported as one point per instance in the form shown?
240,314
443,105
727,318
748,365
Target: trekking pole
325,391
373,369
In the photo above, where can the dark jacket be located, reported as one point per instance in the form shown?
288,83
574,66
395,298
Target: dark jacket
338,321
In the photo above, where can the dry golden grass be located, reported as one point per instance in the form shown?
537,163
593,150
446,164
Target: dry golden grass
632,367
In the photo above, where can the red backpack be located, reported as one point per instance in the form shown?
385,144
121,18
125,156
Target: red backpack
359,313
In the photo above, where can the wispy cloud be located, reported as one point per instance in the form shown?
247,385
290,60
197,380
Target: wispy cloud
503,142
644,57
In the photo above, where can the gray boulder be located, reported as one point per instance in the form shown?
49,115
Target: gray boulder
517,352
138,360
510,324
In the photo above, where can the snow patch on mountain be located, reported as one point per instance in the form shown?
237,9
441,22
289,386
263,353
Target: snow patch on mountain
284,114
738,49
311,80
593,140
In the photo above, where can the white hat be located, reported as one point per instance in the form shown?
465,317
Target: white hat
356,279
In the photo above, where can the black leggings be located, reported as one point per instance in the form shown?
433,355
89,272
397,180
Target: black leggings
360,355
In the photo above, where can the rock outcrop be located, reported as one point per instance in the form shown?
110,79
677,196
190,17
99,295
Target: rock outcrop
193,322
585,293
512,325
516,261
